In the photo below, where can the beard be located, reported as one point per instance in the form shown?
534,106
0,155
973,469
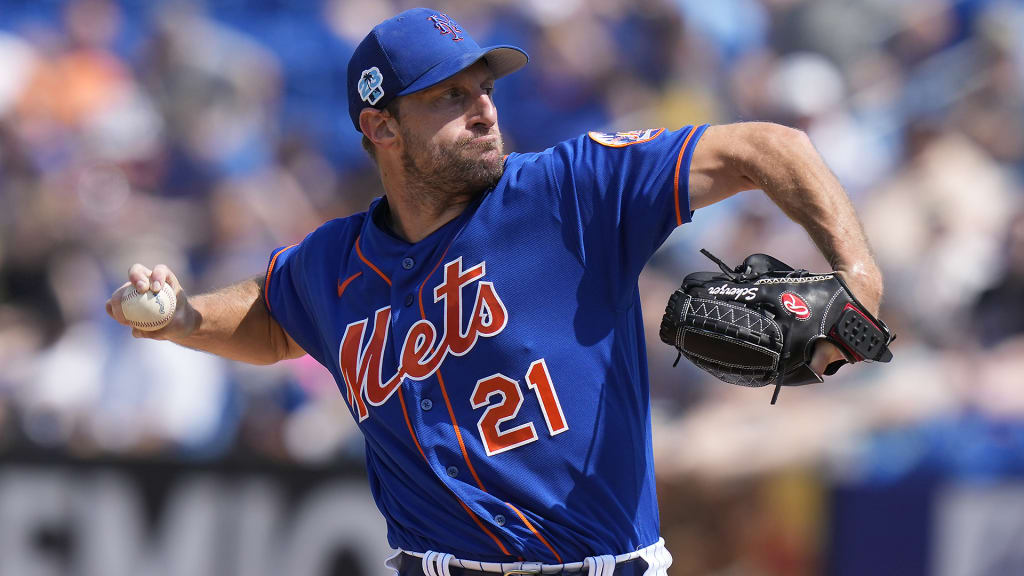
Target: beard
459,170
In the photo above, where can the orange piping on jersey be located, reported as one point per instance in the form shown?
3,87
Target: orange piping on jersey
405,412
370,264
534,530
484,528
270,270
343,285
440,380
451,414
408,423
458,433
679,163
424,283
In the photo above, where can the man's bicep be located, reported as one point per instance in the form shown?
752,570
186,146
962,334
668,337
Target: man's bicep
720,164
285,346
292,349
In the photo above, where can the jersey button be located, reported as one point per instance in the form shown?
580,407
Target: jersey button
499,520
452,471
408,263
409,299
426,404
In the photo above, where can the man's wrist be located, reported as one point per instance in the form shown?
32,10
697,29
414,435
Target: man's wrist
864,279
189,326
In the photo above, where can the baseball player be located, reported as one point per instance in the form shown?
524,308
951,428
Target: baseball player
482,317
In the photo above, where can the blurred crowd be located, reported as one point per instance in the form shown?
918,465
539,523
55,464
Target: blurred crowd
205,135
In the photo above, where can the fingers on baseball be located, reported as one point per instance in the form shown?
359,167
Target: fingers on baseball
163,275
114,304
139,276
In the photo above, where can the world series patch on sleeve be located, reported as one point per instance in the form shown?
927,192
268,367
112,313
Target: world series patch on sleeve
757,324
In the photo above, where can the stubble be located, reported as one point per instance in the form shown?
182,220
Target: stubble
441,175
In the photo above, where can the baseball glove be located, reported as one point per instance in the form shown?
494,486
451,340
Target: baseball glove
757,324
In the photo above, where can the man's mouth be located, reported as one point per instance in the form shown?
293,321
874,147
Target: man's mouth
487,140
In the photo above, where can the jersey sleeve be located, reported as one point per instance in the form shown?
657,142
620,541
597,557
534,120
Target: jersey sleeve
288,296
628,191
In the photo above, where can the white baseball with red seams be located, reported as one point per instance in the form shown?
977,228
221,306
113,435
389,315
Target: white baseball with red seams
151,310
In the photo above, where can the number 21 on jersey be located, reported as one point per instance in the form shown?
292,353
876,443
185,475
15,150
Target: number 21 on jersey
507,407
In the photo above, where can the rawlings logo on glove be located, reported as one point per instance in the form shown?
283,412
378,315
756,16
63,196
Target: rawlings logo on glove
795,305
758,324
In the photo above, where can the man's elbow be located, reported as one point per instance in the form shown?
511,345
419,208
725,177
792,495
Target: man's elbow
765,153
785,140
785,159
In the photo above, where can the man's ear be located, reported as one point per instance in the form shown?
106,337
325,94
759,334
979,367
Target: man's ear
375,126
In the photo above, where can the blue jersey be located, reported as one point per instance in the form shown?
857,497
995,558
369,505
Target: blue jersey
497,368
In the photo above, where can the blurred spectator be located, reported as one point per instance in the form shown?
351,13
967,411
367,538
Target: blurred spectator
204,136
999,311
935,242
217,89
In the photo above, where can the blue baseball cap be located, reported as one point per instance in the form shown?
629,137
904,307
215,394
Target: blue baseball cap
415,50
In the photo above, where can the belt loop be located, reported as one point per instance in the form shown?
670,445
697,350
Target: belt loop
437,563
446,562
426,563
600,565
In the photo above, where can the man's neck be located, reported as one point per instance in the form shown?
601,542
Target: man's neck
414,213
413,221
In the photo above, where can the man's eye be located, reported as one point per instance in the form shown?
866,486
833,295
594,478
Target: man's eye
451,94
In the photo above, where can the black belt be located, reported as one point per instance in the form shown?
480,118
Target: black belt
410,565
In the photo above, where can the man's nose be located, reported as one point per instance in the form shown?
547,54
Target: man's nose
484,111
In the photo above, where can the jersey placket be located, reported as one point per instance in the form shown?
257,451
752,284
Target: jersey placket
427,408
418,405
411,299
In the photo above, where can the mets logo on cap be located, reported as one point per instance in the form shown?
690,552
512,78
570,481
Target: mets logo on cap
620,139
446,25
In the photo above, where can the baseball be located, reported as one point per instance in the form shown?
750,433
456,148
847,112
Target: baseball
151,310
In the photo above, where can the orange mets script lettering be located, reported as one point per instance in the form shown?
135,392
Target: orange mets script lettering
422,352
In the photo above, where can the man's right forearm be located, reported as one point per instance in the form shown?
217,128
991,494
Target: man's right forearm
234,323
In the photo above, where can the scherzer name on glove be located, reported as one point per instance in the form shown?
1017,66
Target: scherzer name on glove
757,324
